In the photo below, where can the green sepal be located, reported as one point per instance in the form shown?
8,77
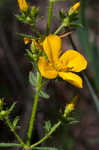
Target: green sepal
32,79
43,94
62,14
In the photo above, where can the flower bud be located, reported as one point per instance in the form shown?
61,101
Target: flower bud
1,104
23,5
76,6
74,9
70,107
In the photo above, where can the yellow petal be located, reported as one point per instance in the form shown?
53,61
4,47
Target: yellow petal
27,40
23,5
73,61
52,47
46,69
76,6
71,78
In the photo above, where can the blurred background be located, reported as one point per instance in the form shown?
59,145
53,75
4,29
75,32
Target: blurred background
15,68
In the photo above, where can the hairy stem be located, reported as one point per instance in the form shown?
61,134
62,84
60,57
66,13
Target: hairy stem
14,132
59,29
48,135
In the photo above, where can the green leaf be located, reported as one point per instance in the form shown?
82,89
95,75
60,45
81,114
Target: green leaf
26,36
76,25
32,79
10,145
47,126
15,122
43,94
29,55
46,148
11,108
62,14
93,94
95,62
72,120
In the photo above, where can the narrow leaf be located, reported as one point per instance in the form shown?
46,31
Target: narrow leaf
15,122
46,148
32,79
11,108
10,145
26,36
43,94
95,98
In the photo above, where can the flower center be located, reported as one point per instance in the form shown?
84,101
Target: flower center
60,67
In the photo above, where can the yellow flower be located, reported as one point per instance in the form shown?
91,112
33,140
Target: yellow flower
37,44
76,6
61,65
23,5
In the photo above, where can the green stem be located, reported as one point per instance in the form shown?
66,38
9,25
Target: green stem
34,109
14,132
59,29
50,12
48,135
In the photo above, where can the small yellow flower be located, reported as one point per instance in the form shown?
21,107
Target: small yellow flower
37,44
61,65
76,6
23,5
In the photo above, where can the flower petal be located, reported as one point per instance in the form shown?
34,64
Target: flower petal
73,61
71,78
46,69
23,5
52,47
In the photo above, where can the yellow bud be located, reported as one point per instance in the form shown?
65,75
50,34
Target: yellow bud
0,101
22,5
74,100
74,9
76,6
70,107
27,40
